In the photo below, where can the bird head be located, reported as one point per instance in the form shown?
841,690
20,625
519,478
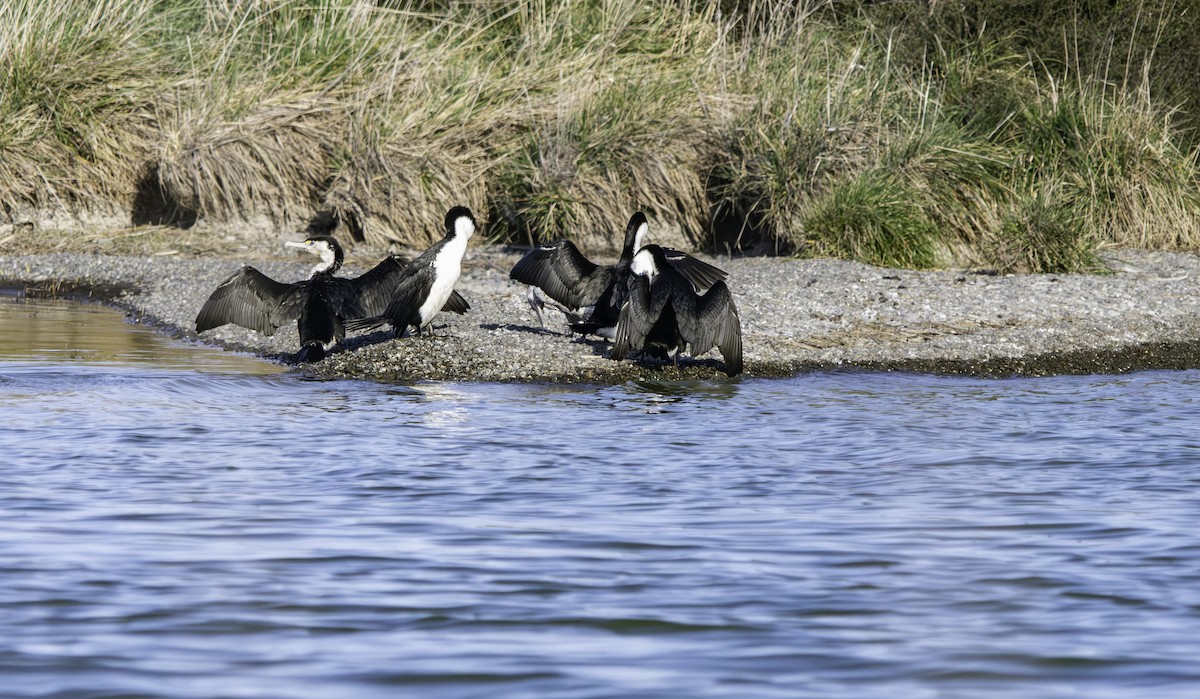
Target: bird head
324,247
635,234
648,261
460,223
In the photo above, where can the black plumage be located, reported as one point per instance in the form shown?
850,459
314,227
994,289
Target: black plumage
589,294
602,320
320,305
427,283
663,314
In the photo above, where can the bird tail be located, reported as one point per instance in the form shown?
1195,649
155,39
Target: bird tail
312,352
360,324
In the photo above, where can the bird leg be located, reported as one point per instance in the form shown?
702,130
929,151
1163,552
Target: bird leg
536,303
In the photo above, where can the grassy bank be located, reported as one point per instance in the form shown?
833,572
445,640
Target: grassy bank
754,126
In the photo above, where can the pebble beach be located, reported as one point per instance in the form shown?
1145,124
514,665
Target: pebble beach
796,315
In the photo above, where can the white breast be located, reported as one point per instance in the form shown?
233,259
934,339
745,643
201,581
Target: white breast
446,268
643,264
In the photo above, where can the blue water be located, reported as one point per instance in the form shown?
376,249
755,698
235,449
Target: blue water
168,531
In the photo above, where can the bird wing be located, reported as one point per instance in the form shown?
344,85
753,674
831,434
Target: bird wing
560,270
252,300
711,320
606,311
402,310
701,274
374,288
456,303
642,307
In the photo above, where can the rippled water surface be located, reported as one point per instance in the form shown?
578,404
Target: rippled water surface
200,531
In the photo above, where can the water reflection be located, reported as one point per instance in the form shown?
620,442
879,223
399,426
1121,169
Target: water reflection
65,331
717,389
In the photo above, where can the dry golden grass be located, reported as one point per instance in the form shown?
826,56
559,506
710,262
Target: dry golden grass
270,160
799,131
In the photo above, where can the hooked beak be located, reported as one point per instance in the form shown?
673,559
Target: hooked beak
306,245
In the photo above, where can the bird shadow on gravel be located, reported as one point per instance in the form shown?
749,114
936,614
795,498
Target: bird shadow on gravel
351,343
510,327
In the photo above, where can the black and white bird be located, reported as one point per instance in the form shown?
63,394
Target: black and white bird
664,315
320,305
591,295
427,283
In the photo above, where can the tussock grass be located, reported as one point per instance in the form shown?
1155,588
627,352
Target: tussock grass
616,122
761,125
582,170
1133,183
77,89
270,159
1042,229
873,217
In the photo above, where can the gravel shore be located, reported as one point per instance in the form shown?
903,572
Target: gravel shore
796,315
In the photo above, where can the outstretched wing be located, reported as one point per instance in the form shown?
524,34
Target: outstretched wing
252,300
711,320
560,270
607,309
374,288
640,311
701,274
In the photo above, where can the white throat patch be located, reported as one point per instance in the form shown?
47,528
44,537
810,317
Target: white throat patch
315,247
325,252
643,264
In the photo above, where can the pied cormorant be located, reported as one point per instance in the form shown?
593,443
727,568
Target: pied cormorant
591,295
428,281
320,305
663,314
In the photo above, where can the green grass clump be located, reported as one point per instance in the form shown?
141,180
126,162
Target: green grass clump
873,217
891,133
1128,175
1042,231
